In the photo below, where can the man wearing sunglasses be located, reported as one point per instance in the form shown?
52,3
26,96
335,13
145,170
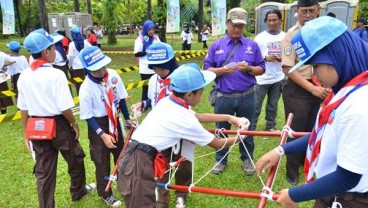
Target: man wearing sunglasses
301,95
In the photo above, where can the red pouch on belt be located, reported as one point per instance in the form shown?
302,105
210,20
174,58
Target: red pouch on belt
160,165
40,129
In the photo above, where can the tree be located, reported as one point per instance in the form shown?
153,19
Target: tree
42,14
200,18
89,7
76,6
160,17
16,6
149,9
110,18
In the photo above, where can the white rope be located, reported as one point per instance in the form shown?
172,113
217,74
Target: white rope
134,115
288,130
250,158
267,192
230,148
176,148
218,134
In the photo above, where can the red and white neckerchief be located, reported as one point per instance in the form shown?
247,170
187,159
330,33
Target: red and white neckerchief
164,87
326,116
111,107
39,63
179,101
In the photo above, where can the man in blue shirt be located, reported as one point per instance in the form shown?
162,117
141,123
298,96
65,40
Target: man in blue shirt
360,30
236,61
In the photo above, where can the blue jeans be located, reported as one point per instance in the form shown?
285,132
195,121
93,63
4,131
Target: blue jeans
240,106
273,92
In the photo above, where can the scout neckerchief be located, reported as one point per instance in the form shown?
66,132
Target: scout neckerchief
160,164
38,63
164,86
326,116
111,108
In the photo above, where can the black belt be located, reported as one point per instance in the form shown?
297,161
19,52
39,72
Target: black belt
364,195
236,94
151,151
56,116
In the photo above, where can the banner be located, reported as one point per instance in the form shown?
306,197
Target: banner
218,11
7,8
173,16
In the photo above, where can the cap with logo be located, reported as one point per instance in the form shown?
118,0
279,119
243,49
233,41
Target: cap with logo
307,3
237,16
189,77
39,40
93,58
14,45
158,53
315,35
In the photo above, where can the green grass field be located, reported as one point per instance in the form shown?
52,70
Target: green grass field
18,184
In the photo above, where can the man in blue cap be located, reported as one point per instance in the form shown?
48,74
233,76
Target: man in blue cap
301,95
20,64
44,98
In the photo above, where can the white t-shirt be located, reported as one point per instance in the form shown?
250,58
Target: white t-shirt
154,88
270,45
44,91
205,35
20,65
92,95
73,55
99,36
186,36
169,122
345,141
138,47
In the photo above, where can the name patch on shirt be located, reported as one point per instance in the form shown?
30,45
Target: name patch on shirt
249,50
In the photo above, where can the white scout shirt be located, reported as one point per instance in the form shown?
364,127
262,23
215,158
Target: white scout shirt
345,142
44,91
92,95
169,122
73,55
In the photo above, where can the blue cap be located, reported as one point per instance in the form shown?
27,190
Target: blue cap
189,77
93,58
14,45
75,29
158,53
314,36
39,40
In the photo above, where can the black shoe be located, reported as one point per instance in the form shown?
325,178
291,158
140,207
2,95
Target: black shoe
293,181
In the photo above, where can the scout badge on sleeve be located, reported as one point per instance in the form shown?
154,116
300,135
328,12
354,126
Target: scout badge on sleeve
40,129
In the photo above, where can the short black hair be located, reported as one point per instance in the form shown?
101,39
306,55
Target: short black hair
39,54
273,11
181,94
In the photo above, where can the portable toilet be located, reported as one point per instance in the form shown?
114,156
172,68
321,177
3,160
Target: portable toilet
290,17
261,11
56,21
76,18
345,10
